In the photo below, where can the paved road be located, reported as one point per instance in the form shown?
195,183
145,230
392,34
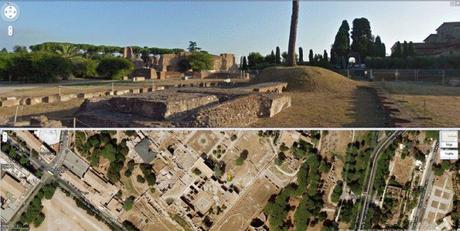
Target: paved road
370,182
426,189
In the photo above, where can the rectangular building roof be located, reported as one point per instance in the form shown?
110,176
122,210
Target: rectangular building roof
75,164
10,187
143,149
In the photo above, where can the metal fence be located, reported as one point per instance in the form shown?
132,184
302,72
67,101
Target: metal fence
441,76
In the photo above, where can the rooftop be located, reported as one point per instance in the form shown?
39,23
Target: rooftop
10,187
75,164
143,149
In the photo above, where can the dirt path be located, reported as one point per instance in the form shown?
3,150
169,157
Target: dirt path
352,108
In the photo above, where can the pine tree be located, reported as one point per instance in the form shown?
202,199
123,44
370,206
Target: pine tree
325,56
311,57
300,55
278,56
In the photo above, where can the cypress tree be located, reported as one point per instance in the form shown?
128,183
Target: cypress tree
300,55
379,48
311,58
245,64
325,56
341,46
405,49
333,56
411,51
362,37
278,56
397,52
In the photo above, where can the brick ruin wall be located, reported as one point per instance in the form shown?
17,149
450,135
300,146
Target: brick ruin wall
171,62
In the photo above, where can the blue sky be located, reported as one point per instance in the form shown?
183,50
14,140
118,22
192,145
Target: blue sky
220,26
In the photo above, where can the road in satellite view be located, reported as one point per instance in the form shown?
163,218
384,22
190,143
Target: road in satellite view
229,180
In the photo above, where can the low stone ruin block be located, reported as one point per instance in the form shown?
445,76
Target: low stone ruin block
275,104
121,92
31,101
64,98
160,107
51,99
134,91
10,102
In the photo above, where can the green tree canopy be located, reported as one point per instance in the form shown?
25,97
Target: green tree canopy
255,59
114,67
341,45
362,36
200,61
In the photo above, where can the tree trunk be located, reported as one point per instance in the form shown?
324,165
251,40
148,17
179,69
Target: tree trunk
293,34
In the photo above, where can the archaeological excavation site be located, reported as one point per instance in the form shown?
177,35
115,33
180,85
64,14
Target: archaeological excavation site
185,106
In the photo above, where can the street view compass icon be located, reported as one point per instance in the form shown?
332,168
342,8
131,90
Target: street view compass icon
10,12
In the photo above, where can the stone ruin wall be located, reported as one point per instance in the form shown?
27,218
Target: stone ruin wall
241,111
159,110
233,113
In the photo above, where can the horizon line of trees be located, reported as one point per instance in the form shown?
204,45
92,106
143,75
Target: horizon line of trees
52,61
357,41
89,49
255,60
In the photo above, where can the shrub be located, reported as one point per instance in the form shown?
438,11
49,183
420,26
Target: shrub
140,179
114,67
84,68
243,156
128,204
148,173
37,67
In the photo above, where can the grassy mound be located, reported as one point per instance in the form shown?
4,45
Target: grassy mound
307,78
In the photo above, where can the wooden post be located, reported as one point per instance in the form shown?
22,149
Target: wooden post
443,76
74,122
15,116
424,107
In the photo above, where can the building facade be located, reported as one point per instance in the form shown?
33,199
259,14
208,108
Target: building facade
446,41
